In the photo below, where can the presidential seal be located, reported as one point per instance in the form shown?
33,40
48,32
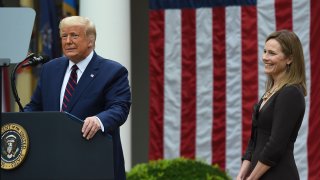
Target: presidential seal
14,145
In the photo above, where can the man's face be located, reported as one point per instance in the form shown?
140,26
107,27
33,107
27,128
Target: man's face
75,44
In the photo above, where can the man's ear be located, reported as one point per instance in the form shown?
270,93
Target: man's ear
289,60
91,44
91,40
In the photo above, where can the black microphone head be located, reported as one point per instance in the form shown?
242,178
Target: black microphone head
40,59
35,60
44,58
30,55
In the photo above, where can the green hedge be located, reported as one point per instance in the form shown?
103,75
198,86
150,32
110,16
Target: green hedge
177,169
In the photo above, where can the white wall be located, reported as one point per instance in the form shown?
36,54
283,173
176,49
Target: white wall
112,20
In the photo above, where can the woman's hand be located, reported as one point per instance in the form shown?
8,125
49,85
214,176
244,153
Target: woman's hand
243,173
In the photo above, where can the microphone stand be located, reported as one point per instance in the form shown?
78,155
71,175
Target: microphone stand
13,85
32,60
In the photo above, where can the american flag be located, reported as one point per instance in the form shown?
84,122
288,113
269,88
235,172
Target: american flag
206,72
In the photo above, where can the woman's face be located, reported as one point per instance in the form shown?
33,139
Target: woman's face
275,62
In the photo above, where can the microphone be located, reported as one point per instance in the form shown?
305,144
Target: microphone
35,60
30,55
32,60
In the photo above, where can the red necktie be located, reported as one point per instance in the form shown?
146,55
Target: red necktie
72,83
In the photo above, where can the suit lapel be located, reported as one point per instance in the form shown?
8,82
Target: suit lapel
87,77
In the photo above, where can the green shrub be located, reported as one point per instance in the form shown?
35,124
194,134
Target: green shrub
177,169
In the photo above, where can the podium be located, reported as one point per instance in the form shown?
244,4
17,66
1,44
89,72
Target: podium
57,150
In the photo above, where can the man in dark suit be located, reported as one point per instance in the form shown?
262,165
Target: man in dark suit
97,90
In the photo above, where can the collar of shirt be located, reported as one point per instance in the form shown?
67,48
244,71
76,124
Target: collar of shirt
82,64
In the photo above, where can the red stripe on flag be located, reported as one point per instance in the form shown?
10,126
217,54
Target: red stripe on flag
249,68
314,114
283,11
219,87
188,83
156,71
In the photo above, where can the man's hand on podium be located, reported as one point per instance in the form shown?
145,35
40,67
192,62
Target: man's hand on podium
90,127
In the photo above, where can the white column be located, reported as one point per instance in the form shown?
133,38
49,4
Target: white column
112,20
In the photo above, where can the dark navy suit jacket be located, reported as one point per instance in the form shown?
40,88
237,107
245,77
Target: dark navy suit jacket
103,91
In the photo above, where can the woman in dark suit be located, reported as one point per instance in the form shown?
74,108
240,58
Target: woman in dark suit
277,117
